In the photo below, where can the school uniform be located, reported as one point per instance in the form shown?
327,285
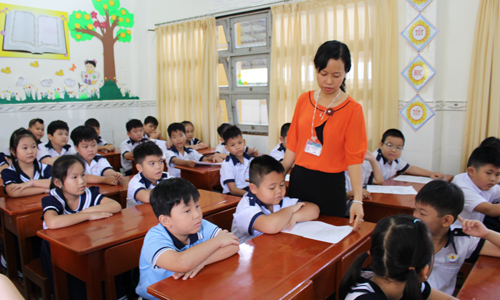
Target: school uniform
66,149
3,159
194,141
366,289
474,196
278,152
449,260
232,170
101,141
158,240
189,154
98,166
248,210
367,176
390,169
139,182
128,145
42,151
10,175
221,148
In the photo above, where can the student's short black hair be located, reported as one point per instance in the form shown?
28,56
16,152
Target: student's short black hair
491,141
168,193
263,165
133,123
284,130
485,155
83,134
445,197
34,121
151,119
145,149
60,168
333,50
92,123
187,123
222,128
56,125
231,132
394,133
92,62
175,127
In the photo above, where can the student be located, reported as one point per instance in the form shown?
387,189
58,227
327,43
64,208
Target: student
480,187
151,128
135,132
401,250
97,167
58,135
182,243
149,162
221,151
102,145
191,141
70,202
26,176
178,154
491,141
279,151
265,208
234,169
389,153
438,204
37,127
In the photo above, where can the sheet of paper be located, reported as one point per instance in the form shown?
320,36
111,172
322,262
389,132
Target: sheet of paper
381,189
410,178
320,231
206,163
387,189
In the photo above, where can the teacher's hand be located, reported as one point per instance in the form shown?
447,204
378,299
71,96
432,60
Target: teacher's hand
358,213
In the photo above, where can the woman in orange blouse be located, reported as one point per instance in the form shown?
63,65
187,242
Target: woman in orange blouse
328,136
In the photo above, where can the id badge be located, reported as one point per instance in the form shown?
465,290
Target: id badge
313,148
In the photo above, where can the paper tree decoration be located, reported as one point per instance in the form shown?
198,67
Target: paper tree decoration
416,113
418,73
419,4
419,33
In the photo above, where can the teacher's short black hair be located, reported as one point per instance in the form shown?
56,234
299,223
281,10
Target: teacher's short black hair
263,165
333,50
169,193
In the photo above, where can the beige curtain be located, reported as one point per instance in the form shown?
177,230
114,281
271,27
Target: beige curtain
483,99
187,77
368,27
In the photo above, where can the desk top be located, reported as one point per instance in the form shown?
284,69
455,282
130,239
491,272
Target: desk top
483,281
207,151
15,206
109,153
129,224
262,265
202,169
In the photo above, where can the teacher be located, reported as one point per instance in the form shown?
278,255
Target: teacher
328,136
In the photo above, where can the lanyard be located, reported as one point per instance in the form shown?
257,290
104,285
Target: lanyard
316,98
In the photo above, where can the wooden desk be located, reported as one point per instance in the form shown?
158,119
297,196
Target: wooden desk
113,158
483,281
79,249
268,266
379,206
201,176
207,151
21,217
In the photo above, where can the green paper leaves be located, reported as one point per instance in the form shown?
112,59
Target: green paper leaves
80,20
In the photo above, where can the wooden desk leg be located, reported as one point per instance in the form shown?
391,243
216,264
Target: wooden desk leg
60,279
93,282
10,250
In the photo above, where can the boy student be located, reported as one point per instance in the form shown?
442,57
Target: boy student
265,208
182,243
221,151
279,151
102,145
97,167
37,127
480,187
388,157
149,162
178,154
58,135
135,132
234,169
438,204
150,128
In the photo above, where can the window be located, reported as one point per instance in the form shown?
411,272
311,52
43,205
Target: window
244,47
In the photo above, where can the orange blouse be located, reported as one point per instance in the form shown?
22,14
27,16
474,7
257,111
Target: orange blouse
344,135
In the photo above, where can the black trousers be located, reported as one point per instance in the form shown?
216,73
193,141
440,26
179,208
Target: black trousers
327,190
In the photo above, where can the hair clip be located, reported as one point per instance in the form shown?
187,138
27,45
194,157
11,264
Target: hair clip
416,220
411,268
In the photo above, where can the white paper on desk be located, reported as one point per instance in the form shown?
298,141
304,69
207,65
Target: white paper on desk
387,189
320,231
416,179
206,163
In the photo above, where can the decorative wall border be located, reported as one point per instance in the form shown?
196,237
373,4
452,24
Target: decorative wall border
440,105
18,108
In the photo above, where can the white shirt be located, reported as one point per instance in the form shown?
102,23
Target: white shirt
97,166
101,142
232,170
139,182
389,170
248,210
473,196
66,149
367,176
127,146
189,154
278,152
449,260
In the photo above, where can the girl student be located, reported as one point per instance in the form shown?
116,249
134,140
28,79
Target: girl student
26,176
402,257
191,141
70,202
